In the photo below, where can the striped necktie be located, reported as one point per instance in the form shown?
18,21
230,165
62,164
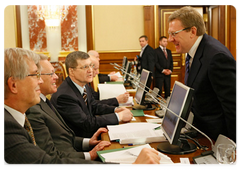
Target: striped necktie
85,96
28,127
165,52
187,69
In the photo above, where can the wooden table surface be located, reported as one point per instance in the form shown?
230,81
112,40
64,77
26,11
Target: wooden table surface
175,158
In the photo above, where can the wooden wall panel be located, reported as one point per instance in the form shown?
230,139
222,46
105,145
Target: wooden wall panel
114,57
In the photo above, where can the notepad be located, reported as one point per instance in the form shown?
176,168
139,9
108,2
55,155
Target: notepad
137,113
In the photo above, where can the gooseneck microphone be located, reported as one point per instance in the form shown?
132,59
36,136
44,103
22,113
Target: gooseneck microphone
162,102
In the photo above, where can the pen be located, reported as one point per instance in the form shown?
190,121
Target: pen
156,128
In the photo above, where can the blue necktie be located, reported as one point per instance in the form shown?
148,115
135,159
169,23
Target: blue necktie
187,68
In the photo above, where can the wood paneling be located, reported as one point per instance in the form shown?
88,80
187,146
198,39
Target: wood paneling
231,30
114,57
149,24
89,25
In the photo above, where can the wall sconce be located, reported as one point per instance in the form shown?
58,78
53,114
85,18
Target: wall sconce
52,14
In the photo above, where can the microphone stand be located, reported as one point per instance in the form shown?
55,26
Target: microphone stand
162,103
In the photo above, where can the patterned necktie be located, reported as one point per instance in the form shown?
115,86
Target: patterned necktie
187,69
28,127
85,96
165,52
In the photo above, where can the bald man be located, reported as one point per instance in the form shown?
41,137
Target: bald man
122,98
103,77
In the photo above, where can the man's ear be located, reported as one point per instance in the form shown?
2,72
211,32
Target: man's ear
194,31
12,85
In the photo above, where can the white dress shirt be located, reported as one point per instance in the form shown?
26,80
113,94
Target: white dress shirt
193,50
18,116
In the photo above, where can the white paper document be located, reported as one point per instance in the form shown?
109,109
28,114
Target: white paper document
135,133
107,91
129,156
117,74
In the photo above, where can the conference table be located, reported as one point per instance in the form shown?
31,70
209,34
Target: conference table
175,158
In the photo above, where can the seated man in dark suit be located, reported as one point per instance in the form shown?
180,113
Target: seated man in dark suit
51,132
103,77
122,98
74,101
21,83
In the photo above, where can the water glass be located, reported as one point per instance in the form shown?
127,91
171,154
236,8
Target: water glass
226,153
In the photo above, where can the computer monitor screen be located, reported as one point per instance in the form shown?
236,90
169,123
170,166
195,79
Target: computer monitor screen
124,64
179,102
127,70
145,80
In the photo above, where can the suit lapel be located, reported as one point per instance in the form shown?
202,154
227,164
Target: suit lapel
78,94
56,116
196,64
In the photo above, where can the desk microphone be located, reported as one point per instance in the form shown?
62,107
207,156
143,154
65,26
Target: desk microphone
136,82
162,103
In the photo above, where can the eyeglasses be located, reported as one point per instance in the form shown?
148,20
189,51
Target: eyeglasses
173,34
38,75
51,74
86,67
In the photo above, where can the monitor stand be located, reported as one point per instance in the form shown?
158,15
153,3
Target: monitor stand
185,148
145,106
127,84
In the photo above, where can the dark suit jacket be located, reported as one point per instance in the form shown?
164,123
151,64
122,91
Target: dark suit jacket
111,101
19,149
83,120
147,61
162,62
51,132
213,78
103,78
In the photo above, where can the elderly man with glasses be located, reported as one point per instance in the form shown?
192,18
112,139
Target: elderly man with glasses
77,106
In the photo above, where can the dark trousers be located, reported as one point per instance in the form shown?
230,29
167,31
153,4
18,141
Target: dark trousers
164,81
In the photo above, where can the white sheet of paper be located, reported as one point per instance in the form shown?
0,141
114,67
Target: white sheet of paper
130,155
107,91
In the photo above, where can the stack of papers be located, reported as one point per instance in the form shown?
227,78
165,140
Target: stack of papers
136,133
128,155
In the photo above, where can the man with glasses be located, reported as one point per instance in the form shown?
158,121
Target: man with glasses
22,81
51,132
74,101
210,71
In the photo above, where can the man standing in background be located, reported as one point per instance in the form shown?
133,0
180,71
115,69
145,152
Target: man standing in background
146,59
164,67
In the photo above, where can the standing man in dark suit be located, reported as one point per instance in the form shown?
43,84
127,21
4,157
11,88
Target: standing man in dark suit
210,71
164,67
51,132
74,101
146,59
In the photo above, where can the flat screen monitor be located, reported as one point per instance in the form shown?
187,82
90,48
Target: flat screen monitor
145,81
127,70
124,64
180,103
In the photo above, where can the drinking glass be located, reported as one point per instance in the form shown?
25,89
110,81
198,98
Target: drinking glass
226,153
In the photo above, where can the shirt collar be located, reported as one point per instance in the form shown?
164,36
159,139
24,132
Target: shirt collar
81,89
162,47
18,116
144,47
43,97
193,50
